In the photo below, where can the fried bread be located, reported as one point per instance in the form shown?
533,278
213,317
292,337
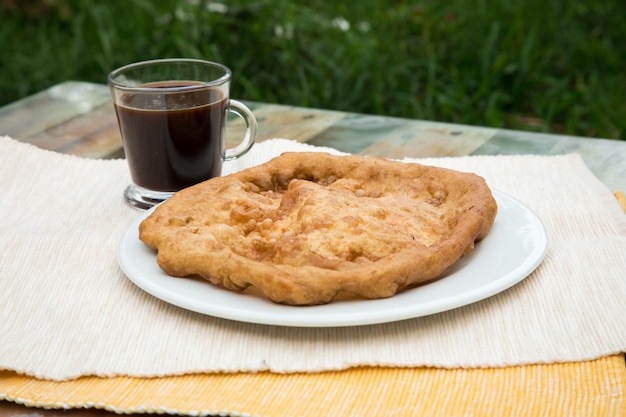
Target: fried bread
307,226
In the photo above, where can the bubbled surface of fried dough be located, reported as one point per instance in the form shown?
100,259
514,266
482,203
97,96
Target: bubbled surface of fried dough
307,226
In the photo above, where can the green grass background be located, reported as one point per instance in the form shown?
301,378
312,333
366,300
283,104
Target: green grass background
543,65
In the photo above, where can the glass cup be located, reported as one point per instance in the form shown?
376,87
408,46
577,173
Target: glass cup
172,116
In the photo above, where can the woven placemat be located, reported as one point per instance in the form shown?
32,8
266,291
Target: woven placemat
68,310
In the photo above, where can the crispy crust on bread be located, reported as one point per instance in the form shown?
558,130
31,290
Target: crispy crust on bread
304,227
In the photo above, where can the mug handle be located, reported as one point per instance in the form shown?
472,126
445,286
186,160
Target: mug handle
241,110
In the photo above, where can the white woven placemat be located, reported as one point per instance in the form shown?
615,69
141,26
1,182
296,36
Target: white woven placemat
67,310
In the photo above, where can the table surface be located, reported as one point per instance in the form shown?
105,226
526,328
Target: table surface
78,118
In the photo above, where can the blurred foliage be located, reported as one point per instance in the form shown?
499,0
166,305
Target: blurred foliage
534,65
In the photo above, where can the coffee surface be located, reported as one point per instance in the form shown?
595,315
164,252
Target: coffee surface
173,140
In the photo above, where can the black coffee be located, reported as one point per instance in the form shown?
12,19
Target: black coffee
168,150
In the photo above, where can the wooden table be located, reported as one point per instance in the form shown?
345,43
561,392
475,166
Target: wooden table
78,118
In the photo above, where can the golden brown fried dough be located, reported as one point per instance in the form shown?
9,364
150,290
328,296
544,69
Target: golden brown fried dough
305,226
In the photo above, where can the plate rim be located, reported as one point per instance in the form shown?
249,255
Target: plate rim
279,318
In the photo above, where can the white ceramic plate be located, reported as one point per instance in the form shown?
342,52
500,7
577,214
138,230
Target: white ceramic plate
514,247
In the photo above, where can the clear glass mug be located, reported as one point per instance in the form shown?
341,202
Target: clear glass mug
172,117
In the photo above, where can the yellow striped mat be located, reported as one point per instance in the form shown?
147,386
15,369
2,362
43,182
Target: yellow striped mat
592,388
